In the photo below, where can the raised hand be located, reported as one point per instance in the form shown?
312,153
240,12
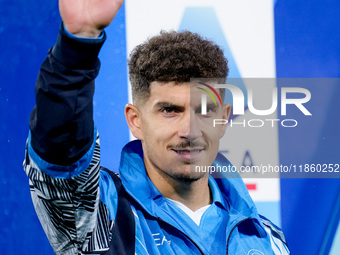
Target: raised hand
87,18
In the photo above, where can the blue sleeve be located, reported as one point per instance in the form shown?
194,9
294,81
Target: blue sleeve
61,123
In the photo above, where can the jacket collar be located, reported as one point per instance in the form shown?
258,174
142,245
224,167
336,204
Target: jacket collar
139,186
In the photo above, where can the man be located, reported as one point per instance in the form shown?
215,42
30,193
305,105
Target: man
158,205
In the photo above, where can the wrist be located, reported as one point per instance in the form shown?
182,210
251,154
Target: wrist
84,32
88,34
81,36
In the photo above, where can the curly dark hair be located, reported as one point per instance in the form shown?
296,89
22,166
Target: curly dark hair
174,57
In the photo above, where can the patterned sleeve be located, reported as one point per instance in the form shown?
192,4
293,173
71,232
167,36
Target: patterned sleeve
68,205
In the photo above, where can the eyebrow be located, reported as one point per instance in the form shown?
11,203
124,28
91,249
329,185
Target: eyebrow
164,104
210,106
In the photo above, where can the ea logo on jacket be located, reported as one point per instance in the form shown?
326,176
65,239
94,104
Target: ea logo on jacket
254,252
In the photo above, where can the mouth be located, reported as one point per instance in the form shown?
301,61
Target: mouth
188,153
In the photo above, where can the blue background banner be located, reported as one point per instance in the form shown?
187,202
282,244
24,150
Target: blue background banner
307,46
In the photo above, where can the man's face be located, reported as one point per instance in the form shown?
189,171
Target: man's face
175,136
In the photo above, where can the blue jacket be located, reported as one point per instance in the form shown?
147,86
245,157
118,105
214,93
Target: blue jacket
153,224
85,209
245,231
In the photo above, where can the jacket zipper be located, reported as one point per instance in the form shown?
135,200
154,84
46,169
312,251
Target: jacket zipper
199,249
232,232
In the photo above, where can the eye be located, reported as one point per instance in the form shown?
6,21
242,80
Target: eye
169,111
211,109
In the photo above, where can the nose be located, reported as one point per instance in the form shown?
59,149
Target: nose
189,126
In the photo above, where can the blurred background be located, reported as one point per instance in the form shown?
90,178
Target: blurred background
261,39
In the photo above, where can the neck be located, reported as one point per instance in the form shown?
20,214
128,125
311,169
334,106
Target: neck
194,194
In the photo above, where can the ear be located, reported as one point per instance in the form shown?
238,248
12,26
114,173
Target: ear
226,114
133,120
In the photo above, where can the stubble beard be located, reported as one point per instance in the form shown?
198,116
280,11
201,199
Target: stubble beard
185,176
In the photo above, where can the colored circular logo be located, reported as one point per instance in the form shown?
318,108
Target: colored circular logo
254,252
